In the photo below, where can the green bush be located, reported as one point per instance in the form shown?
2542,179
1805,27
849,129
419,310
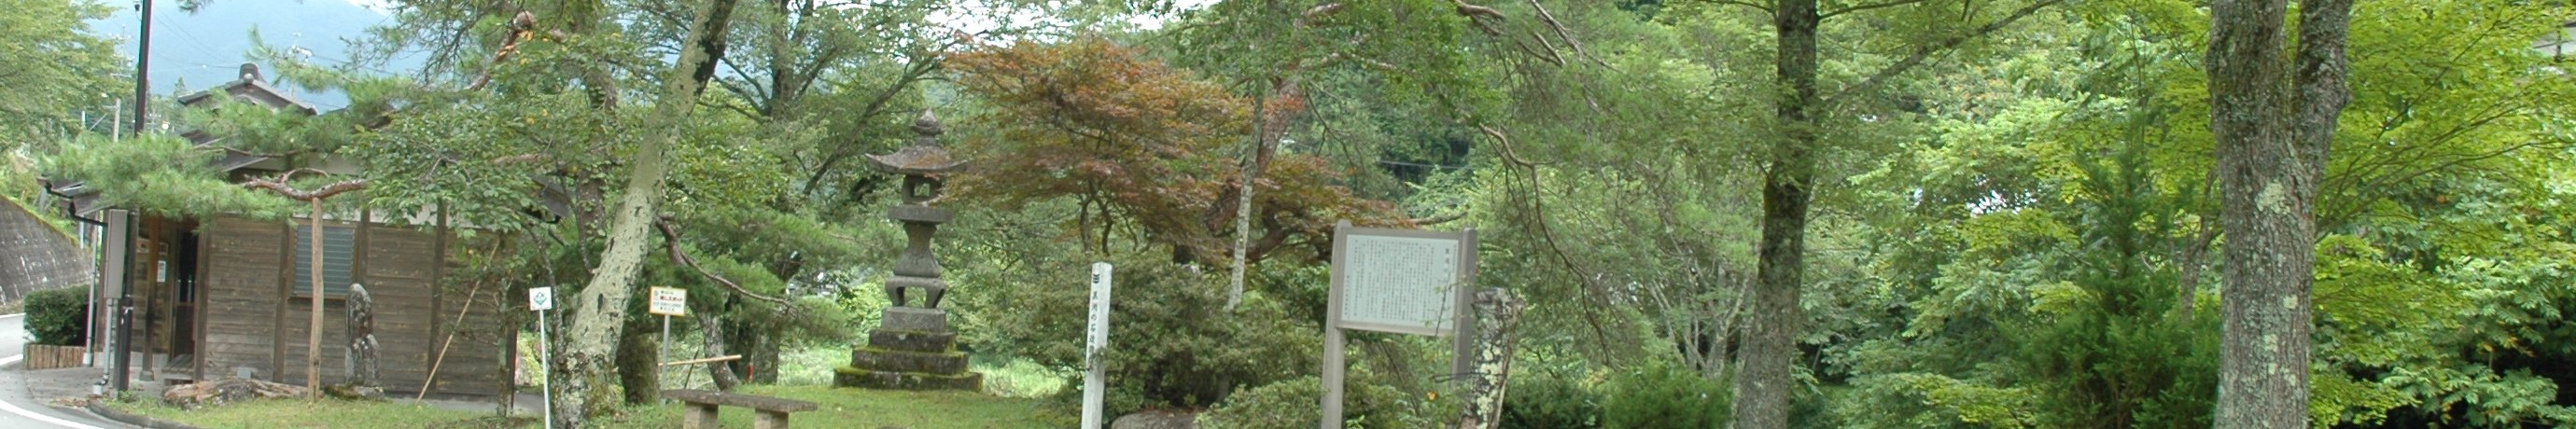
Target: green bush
1662,396
1172,343
59,316
1287,404
1371,398
1540,401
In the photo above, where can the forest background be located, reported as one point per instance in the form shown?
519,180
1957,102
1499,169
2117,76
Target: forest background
2015,216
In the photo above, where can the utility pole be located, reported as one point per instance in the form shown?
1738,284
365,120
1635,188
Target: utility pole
143,68
142,97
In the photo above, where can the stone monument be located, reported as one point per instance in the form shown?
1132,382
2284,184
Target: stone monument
914,348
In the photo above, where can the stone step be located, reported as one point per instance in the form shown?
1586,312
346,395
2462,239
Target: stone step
913,341
855,377
871,358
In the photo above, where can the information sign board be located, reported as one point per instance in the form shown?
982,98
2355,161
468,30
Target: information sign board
1393,280
669,301
1398,280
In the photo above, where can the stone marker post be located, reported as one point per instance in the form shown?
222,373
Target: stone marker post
361,358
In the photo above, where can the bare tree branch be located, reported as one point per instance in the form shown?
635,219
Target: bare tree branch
1889,4
1506,143
671,241
326,191
521,27
1765,9
1561,33
1439,219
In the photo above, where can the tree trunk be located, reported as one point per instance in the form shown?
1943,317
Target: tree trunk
2271,146
598,312
1763,363
711,333
745,338
638,355
759,358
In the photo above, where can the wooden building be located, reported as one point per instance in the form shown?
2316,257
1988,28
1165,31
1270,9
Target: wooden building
216,295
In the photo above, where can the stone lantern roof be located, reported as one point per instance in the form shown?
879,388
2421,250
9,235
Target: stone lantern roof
923,157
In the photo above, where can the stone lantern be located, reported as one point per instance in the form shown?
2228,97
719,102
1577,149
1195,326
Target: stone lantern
913,348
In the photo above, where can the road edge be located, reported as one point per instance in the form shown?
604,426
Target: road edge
11,362
134,419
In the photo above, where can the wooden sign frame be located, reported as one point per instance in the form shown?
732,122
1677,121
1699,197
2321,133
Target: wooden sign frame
1460,317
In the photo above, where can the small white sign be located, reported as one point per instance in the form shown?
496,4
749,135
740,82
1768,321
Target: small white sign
541,298
670,301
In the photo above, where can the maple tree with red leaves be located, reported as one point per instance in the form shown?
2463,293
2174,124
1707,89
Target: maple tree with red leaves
1134,141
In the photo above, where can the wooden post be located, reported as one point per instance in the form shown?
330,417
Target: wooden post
313,332
1498,316
313,340
1333,365
434,361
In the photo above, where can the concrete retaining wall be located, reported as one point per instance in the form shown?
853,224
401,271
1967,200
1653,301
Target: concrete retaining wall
34,256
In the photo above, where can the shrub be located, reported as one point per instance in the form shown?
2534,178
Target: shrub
1540,401
59,316
1288,404
1171,342
1371,398
1662,396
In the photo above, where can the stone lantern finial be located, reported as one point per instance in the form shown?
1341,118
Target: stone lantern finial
928,127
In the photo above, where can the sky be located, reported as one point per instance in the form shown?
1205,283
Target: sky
205,48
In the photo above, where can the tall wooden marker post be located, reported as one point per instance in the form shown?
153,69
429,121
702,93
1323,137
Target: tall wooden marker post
1400,281
1095,381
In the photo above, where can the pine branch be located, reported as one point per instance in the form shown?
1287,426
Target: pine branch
326,191
671,241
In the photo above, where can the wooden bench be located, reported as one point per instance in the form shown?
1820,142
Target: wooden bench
769,413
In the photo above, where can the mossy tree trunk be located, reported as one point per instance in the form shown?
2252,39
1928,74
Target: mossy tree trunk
598,312
2273,117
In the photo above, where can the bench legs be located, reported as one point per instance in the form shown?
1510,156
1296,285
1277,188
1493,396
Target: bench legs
699,416
761,419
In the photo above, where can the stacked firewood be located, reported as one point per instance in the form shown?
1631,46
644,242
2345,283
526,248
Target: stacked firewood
227,390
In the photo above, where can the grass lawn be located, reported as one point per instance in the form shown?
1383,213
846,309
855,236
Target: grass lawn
872,409
329,413
839,408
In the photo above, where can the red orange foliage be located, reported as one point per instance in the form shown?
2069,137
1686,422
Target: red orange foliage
1134,140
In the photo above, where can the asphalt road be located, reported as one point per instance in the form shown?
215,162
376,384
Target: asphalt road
18,409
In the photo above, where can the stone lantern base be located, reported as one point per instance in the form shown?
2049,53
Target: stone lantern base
912,350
